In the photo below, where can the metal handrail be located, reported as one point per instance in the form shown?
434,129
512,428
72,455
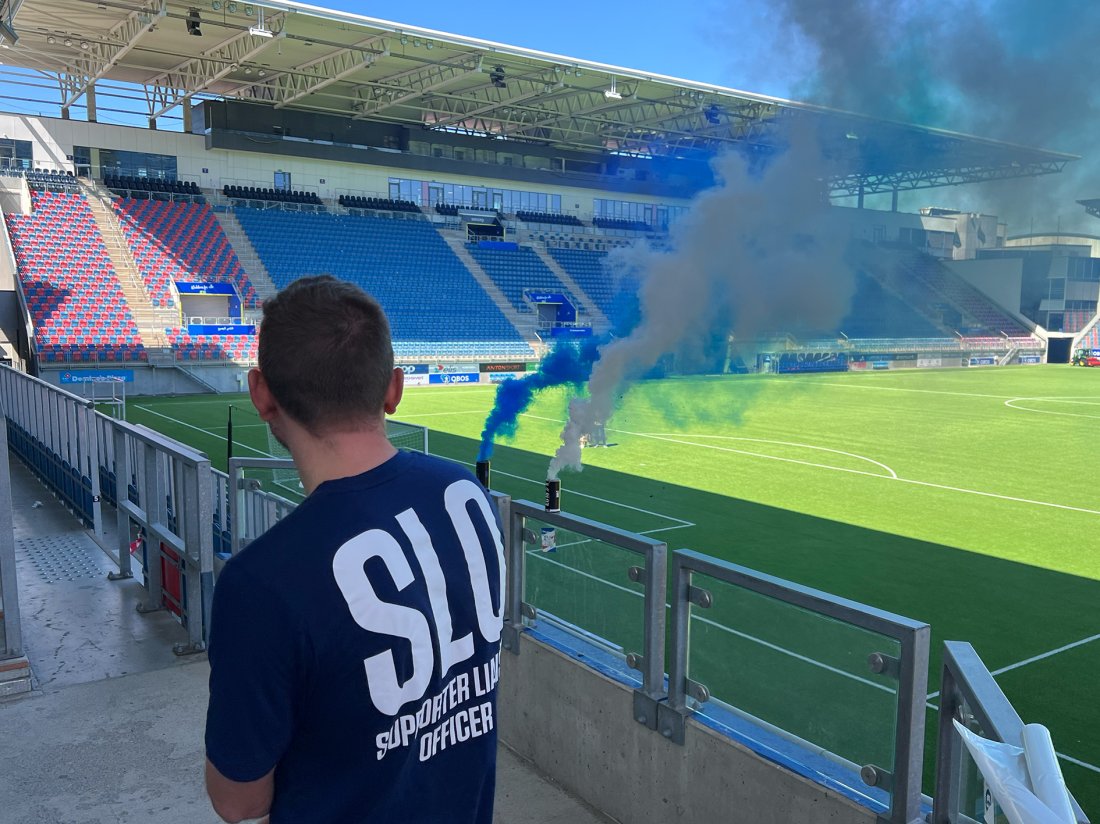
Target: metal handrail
965,681
910,669
653,576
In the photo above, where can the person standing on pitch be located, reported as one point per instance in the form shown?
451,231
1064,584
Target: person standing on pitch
354,649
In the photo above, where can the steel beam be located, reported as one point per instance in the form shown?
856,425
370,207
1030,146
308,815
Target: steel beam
100,58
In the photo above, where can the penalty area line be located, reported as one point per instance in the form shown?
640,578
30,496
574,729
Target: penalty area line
203,431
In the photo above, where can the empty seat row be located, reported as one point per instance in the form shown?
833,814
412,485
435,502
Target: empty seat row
380,203
274,195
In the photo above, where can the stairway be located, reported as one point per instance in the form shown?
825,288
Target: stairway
588,306
524,325
246,254
151,321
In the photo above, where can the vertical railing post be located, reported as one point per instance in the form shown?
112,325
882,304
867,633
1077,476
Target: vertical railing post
90,439
516,560
194,516
151,489
9,585
905,795
124,470
671,717
948,750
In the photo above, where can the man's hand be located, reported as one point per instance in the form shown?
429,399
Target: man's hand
239,800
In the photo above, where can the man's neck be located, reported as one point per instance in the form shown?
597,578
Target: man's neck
340,455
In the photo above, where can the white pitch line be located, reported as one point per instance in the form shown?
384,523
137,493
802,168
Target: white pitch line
672,518
893,474
723,627
1011,401
1046,655
963,490
440,414
907,389
204,431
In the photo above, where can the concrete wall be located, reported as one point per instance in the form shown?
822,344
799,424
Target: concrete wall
1001,280
577,726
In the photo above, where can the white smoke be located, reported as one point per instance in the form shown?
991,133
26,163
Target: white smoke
758,253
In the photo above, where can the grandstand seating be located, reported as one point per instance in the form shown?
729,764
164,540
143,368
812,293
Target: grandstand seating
1091,340
875,313
980,315
515,270
1075,321
618,223
180,241
553,218
589,270
190,347
425,289
271,195
447,209
143,188
378,203
72,291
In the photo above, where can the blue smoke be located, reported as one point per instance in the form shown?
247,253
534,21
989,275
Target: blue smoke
568,363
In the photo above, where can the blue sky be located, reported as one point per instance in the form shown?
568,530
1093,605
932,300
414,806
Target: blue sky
729,44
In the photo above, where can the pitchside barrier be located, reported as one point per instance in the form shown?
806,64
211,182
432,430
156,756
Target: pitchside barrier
830,689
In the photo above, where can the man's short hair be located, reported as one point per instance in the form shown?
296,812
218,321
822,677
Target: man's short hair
326,354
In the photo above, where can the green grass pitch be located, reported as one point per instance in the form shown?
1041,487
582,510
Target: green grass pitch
965,498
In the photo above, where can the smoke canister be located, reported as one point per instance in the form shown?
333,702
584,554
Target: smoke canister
553,495
481,469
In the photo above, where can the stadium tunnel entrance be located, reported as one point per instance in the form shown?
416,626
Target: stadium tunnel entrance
1058,348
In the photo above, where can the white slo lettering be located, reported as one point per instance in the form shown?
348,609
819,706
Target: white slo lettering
375,615
397,620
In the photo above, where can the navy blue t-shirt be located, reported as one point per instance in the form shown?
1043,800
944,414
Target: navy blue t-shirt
355,649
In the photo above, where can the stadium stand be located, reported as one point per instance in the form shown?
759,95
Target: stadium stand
188,347
144,188
180,241
552,218
446,209
1076,321
72,290
251,193
1091,340
875,313
378,204
587,268
625,225
515,270
427,292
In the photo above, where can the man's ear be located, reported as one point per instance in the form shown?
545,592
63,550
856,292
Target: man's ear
261,395
394,391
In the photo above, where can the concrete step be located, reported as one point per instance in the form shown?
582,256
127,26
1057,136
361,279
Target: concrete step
247,255
595,315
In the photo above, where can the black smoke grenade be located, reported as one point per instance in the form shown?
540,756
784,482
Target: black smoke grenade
553,495
481,469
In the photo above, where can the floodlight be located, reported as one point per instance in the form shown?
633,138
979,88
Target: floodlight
613,92
260,30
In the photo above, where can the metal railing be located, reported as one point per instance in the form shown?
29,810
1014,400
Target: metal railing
828,641
651,576
168,499
11,639
970,695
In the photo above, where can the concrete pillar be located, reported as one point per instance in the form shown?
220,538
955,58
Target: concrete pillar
186,105
894,201
89,96
153,123
64,112
859,204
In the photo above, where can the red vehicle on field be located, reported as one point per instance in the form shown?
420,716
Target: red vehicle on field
1085,357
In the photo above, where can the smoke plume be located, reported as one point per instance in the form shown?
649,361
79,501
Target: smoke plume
1019,71
755,254
566,364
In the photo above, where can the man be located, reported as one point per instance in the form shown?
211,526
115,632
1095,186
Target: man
354,650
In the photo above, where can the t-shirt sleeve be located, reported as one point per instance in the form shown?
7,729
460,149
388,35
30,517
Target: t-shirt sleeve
254,653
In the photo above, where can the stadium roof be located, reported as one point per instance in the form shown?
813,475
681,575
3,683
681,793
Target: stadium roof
305,57
1091,206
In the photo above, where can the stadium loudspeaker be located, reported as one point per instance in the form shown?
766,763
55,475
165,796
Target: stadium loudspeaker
194,22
